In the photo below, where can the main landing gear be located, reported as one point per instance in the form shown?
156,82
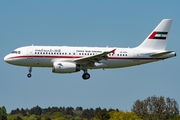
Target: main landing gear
30,70
86,75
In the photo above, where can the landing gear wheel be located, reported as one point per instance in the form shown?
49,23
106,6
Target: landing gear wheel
86,76
29,75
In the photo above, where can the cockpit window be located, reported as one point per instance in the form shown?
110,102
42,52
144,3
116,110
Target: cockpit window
16,52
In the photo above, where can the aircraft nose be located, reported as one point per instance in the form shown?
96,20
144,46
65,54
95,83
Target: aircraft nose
6,58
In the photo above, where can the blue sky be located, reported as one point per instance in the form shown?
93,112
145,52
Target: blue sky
86,23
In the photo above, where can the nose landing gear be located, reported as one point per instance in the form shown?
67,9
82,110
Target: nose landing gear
30,70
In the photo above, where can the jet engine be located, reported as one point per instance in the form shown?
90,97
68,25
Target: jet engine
65,67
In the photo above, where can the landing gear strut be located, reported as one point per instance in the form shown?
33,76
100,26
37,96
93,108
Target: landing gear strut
86,75
30,70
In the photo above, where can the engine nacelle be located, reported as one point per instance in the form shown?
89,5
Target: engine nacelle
65,67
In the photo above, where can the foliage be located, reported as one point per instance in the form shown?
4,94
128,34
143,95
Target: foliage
88,113
54,115
58,114
10,117
18,118
60,118
23,112
102,115
3,111
0,111
155,108
121,115
3,117
175,118
77,113
27,113
69,111
3,114
79,109
36,110
17,111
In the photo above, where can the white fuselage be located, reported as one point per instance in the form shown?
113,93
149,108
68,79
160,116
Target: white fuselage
45,56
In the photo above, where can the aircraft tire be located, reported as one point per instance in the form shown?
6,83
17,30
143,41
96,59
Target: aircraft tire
86,76
28,75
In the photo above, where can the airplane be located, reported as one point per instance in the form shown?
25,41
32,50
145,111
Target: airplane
66,59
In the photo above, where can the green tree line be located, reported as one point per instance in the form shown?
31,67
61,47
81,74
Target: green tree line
152,108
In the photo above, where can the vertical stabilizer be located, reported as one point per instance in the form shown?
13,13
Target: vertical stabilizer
158,38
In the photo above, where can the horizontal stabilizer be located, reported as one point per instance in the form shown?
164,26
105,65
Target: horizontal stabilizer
161,54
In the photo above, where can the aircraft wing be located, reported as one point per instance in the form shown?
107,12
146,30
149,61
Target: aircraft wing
161,54
95,58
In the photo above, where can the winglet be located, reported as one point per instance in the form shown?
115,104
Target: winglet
113,51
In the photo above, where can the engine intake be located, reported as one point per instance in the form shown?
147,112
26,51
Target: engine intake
65,67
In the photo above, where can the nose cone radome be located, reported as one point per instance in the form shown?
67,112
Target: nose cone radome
7,58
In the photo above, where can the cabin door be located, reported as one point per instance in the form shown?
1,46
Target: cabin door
30,53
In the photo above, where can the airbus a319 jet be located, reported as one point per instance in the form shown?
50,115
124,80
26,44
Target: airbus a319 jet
63,59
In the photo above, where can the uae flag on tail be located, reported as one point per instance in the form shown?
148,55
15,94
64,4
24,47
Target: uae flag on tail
158,35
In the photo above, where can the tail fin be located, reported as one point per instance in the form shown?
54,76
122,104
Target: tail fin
158,38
